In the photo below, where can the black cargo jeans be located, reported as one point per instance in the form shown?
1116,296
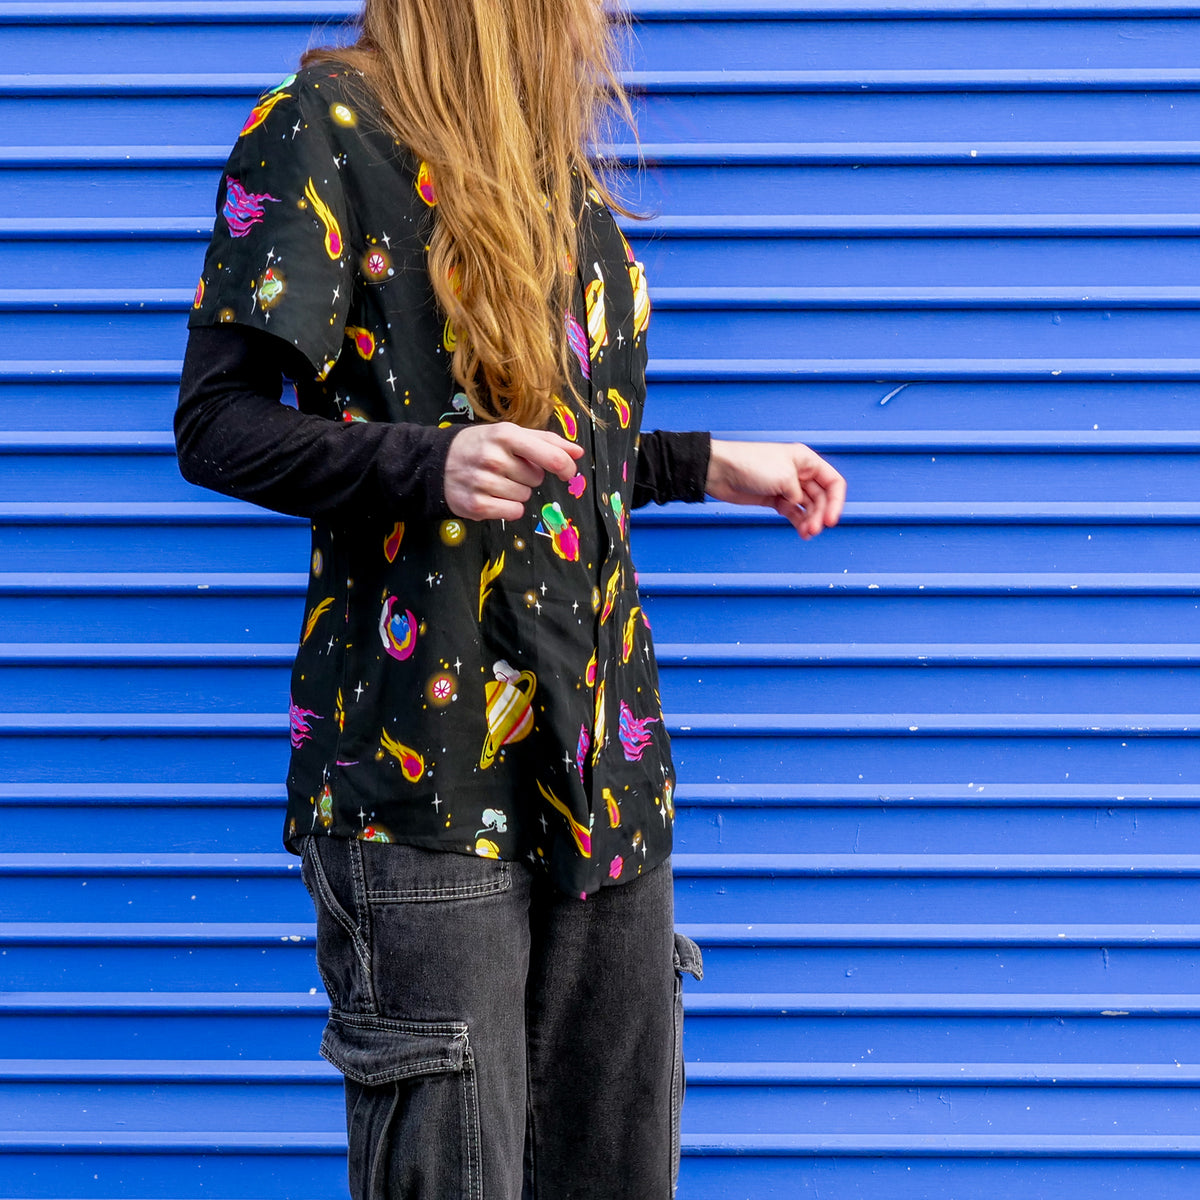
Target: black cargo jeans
500,1041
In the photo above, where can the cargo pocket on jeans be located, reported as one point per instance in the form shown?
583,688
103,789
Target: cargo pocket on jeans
688,960
412,1106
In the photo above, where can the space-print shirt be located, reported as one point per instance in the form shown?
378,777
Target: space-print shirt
488,688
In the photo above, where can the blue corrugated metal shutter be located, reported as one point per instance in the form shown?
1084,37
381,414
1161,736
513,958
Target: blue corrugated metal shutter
939,781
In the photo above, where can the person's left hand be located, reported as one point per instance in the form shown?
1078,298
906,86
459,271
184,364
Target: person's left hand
790,478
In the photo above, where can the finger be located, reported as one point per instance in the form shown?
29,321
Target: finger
816,503
520,470
794,514
548,451
837,501
495,508
830,480
502,510
502,487
476,505
792,504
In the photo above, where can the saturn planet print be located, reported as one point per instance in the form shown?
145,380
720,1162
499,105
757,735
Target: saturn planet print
509,710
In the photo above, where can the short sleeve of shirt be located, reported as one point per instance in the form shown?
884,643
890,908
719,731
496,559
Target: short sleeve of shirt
280,251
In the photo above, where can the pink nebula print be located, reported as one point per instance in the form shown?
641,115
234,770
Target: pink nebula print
633,732
581,751
577,339
243,210
300,720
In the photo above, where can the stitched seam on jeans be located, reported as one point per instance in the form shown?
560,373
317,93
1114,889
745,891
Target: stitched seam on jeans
676,1081
472,1134
378,1164
462,891
431,1066
531,1126
307,851
454,1029
339,914
363,916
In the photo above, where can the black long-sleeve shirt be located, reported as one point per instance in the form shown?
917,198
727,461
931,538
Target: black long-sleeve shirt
236,437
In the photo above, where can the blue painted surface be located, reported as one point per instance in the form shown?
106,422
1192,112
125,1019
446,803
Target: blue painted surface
939,774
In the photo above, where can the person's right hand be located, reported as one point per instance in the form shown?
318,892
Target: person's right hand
492,469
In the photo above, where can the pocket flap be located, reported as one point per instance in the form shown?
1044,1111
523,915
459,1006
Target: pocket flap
688,959
377,1050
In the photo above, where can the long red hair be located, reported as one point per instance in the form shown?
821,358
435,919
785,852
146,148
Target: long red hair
501,99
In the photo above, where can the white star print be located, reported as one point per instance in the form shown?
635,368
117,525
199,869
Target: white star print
538,605
568,760
337,291
358,691
362,816
391,379
430,578
458,664
436,802
575,606
386,240
295,130
620,338
331,644
543,587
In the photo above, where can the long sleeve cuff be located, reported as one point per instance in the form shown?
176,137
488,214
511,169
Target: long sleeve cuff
671,466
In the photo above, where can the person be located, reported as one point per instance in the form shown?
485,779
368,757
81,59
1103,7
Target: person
410,230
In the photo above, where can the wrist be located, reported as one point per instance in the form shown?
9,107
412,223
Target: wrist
718,463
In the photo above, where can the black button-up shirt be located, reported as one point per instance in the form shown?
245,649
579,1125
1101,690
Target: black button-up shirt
486,688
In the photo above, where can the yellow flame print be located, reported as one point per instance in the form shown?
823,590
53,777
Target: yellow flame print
317,613
614,809
490,572
627,638
333,232
600,727
610,593
580,832
261,111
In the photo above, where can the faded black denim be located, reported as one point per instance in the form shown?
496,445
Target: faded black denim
500,1040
